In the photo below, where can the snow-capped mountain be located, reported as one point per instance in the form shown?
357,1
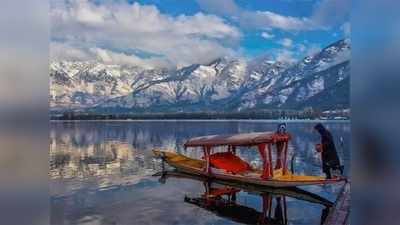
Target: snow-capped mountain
85,84
313,75
321,80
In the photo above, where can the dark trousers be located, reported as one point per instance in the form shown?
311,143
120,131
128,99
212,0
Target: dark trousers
326,168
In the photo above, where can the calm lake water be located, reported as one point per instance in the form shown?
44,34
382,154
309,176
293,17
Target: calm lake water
102,173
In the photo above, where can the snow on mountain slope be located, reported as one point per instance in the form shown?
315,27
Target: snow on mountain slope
224,84
193,84
333,54
303,80
84,84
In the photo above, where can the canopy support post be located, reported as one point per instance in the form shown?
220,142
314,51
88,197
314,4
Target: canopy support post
207,150
271,171
285,148
266,167
279,155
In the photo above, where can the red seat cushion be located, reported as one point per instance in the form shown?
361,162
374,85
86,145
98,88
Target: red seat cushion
229,162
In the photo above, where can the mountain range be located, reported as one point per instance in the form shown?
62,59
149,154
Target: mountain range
321,81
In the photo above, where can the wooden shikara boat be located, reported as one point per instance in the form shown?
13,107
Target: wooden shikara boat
264,141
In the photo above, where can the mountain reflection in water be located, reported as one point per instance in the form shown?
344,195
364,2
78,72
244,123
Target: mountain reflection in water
98,165
101,173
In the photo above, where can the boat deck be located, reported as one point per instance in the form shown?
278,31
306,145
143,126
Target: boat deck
178,160
181,159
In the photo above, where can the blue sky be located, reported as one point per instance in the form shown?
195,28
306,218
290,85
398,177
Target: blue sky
252,42
176,33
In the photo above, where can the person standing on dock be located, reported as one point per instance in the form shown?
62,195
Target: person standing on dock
330,159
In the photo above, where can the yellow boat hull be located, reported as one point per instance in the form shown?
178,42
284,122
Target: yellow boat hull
195,166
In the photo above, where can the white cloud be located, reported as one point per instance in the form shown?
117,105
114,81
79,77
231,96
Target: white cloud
267,35
110,57
267,19
284,55
286,42
61,51
256,19
326,13
181,40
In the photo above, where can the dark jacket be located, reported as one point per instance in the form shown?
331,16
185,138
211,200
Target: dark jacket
330,157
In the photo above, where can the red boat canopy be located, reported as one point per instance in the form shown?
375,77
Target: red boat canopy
245,139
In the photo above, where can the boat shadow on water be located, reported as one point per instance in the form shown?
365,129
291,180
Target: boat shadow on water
220,198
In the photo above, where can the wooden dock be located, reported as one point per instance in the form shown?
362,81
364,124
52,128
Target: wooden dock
340,212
